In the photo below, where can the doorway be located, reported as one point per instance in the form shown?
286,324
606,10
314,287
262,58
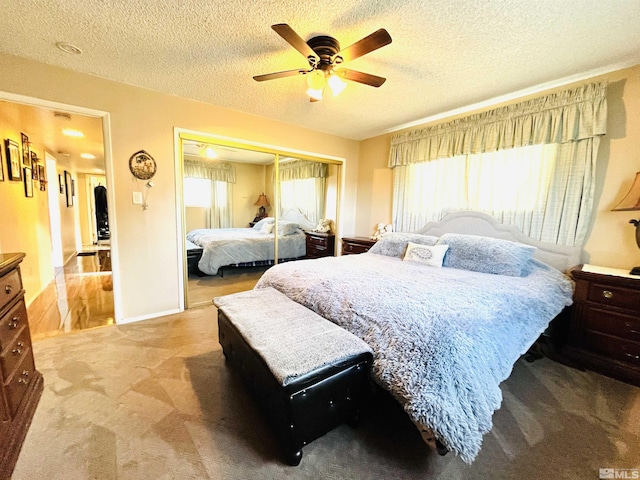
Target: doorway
44,121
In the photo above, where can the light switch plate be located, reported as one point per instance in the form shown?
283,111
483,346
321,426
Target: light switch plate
137,198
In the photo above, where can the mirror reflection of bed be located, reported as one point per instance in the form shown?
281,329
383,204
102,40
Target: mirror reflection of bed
224,196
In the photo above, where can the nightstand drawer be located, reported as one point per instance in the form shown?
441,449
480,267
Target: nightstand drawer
613,347
614,296
316,240
612,323
316,251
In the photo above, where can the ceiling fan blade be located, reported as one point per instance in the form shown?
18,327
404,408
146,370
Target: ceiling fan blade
286,32
372,42
361,77
272,76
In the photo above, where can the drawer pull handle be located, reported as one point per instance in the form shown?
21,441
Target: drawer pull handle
24,381
25,373
7,289
630,326
17,351
13,323
607,294
635,357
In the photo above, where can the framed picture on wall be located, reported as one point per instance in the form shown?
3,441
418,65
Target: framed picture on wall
26,155
14,172
1,167
67,188
61,184
34,165
28,182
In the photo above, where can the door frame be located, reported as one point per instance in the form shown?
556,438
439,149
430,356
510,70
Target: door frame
181,134
109,175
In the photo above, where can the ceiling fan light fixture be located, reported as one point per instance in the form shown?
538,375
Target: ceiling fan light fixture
316,80
315,94
336,84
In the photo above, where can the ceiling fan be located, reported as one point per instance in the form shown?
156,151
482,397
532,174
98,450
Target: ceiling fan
325,56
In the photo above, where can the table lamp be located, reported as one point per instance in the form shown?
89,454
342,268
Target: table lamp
631,202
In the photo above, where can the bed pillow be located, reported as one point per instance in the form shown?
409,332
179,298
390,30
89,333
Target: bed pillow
431,255
287,228
486,255
267,228
259,224
394,244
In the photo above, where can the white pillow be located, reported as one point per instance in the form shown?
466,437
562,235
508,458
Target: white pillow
267,228
431,255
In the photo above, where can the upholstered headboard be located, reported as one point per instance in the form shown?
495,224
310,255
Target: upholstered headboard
561,257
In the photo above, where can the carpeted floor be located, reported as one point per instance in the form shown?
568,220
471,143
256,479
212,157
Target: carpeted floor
155,400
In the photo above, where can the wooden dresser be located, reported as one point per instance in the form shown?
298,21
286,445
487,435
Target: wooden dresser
20,383
353,245
604,330
320,244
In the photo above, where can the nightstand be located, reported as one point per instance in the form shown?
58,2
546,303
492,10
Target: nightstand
604,330
353,245
320,244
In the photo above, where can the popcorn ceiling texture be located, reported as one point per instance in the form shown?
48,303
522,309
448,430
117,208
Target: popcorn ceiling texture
445,53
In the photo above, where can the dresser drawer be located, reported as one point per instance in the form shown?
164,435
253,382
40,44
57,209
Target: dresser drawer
615,296
12,354
10,287
18,383
614,323
613,347
11,322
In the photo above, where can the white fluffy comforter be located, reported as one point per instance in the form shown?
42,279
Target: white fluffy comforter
228,246
443,338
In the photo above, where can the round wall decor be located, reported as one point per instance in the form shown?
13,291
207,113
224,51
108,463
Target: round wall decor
142,165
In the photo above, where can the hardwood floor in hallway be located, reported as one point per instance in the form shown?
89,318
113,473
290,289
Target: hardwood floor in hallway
80,297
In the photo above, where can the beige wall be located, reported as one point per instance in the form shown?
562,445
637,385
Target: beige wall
146,241
251,181
611,241
24,222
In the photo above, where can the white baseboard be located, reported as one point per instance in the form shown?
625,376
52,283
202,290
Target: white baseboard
148,317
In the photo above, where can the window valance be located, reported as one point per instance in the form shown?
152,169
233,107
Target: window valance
561,117
220,172
301,169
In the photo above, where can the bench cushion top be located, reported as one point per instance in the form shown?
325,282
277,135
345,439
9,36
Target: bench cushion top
291,339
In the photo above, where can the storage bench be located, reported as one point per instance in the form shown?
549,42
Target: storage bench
307,374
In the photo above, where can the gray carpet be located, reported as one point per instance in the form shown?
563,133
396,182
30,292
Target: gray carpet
155,400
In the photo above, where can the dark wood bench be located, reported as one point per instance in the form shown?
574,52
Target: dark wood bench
307,374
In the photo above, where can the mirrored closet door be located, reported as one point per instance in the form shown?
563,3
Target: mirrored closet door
247,208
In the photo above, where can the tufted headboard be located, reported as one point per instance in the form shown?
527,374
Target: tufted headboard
561,257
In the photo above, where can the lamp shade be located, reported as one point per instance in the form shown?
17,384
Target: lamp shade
262,201
631,201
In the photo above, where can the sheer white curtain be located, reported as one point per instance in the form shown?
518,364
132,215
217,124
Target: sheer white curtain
216,194
530,164
303,187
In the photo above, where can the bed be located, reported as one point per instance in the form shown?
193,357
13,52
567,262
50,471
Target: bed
223,247
444,338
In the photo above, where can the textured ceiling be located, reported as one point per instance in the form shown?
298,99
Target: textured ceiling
445,53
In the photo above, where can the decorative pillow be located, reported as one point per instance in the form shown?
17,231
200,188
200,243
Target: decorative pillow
394,244
287,228
486,254
259,224
267,228
430,255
